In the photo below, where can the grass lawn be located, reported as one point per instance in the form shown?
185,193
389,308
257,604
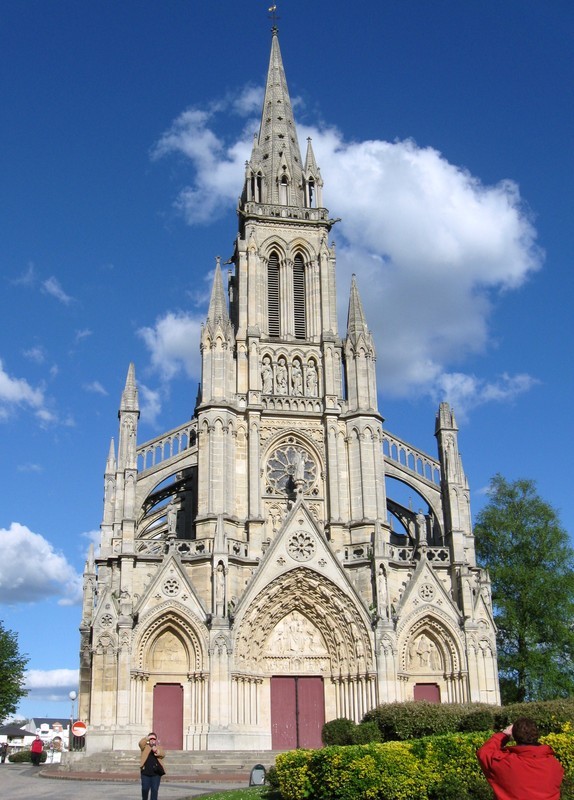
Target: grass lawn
253,793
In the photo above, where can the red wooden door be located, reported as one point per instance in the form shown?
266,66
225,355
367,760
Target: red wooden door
427,691
311,708
283,714
297,712
168,715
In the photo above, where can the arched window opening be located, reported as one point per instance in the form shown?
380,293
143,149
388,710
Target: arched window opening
259,188
273,294
299,297
283,190
311,190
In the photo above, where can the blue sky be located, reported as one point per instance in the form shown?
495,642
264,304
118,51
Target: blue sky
444,132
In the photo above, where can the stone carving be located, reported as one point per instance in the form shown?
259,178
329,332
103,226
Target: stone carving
311,379
171,518
295,635
267,376
301,546
171,587
169,654
423,654
297,379
426,592
220,590
281,377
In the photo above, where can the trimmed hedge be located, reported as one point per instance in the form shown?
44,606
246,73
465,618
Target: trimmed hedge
433,768
413,720
23,756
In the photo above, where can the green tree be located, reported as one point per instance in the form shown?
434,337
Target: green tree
519,539
12,666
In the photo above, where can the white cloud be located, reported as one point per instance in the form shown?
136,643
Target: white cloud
31,570
30,467
150,404
35,354
95,387
173,343
83,334
432,246
51,684
52,287
17,392
27,278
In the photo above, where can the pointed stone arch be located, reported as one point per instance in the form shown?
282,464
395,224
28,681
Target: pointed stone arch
168,641
449,649
346,647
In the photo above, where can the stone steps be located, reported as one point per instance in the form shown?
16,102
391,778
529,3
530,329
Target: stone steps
190,763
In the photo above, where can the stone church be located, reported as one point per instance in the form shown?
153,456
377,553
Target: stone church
255,578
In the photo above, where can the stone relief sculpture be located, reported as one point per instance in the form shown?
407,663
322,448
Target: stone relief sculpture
311,380
382,598
423,654
171,518
220,590
267,376
297,379
281,377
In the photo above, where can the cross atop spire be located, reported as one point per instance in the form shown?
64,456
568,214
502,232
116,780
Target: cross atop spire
273,15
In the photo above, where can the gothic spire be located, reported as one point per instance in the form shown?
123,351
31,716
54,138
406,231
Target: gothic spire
276,155
356,321
217,304
129,400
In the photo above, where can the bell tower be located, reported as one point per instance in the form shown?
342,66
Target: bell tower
251,562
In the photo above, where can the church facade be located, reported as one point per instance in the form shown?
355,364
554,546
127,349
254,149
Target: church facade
255,577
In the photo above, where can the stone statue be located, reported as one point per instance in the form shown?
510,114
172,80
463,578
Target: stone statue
267,376
281,377
299,460
171,518
311,380
297,379
220,590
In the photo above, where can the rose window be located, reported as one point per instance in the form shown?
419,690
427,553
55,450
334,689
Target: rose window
301,546
426,592
290,467
171,587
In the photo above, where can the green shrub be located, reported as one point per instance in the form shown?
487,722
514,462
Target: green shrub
401,721
549,715
366,732
293,774
388,771
338,731
272,778
477,719
441,767
23,756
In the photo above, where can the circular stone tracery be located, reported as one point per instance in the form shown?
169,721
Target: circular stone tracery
289,466
171,587
301,546
426,592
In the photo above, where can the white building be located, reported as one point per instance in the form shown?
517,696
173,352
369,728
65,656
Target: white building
249,583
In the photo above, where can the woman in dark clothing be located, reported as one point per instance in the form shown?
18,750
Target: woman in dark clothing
151,766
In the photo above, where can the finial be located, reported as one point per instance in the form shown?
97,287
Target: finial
273,15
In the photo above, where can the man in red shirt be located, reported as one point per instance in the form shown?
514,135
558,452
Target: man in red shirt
527,771
37,747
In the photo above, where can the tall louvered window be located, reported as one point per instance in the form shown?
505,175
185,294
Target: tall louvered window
273,294
299,297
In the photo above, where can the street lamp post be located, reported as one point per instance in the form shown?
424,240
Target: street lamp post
72,697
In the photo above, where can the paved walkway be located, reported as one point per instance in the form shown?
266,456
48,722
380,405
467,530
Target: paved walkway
25,782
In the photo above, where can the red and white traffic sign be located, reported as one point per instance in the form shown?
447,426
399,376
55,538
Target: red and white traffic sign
79,728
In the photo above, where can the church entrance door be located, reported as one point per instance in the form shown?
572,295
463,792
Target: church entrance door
168,715
427,691
297,712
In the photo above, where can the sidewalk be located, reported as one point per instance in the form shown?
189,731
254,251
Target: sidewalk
22,782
